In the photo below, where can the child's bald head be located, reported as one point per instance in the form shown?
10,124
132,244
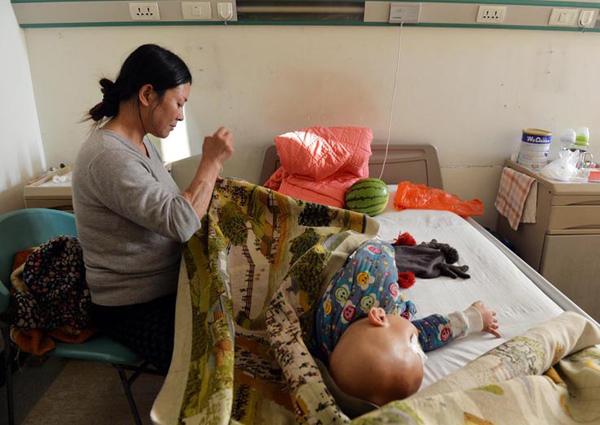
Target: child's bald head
378,359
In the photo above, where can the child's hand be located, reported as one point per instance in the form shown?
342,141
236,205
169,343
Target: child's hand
490,322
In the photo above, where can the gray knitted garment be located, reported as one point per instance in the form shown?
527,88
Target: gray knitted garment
131,219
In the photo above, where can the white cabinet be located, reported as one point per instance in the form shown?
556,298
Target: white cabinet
564,243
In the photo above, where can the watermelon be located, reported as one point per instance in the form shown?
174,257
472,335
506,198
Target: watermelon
368,196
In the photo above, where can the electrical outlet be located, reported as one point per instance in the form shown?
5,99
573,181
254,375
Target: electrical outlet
405,13
491,14
144,11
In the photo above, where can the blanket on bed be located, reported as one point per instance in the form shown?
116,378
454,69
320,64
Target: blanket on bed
248,289
549,375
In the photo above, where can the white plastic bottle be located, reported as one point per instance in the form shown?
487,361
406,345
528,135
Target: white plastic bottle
567,139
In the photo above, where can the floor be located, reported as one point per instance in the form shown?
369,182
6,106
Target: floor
77,392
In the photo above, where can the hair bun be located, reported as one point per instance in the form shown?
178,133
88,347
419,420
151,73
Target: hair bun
106,85
110,99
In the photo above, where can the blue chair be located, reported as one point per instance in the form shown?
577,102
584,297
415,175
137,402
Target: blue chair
20,230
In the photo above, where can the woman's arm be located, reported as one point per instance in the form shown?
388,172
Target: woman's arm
215,151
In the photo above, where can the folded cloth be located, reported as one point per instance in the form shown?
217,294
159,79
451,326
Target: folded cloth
530,209
51,297
514,189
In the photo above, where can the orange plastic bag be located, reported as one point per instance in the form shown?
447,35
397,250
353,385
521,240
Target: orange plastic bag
419,196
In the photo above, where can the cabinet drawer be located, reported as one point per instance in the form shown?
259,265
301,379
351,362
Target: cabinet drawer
574,219
570,263
581,200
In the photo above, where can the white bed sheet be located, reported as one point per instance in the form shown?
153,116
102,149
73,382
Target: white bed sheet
495,280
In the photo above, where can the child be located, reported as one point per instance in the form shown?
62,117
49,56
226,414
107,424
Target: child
363,331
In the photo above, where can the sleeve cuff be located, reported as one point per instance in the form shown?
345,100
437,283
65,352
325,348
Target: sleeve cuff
475,319
462,323
191,218
459,324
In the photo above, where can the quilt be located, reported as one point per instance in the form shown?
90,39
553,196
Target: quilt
249,285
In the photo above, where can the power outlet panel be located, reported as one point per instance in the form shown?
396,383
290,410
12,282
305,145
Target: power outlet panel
405,13
491,14
144,11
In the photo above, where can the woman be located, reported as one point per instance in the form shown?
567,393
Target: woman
131,217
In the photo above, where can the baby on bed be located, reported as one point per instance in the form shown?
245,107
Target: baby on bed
363,329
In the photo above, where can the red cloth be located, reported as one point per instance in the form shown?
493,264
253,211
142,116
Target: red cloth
319,164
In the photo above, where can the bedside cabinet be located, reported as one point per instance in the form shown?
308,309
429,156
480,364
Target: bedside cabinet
564,243
42,193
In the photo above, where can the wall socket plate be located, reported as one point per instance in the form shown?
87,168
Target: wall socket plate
491,14
144,11
200,11
563,17
405,13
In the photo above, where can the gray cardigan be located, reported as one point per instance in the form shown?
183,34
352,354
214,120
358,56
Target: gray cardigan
131,220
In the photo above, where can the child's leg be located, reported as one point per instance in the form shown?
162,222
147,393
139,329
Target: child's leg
434,331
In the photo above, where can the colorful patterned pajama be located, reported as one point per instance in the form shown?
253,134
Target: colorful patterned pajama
367,280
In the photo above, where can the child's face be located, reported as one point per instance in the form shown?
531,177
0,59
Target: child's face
378,359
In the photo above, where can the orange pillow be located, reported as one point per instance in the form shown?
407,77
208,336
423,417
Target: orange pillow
314,153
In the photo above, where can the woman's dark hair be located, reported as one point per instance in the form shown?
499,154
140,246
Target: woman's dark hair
148,64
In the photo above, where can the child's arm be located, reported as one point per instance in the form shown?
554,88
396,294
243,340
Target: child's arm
438,330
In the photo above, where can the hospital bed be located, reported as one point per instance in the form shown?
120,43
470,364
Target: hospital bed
521,297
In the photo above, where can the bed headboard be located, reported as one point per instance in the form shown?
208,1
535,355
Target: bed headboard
416,163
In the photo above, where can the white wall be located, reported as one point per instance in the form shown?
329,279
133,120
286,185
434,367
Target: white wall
21,152
469,92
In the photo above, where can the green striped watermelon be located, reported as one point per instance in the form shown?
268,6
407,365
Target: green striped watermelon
368,196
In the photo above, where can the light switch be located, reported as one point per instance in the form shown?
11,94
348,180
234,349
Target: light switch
563,17
196,10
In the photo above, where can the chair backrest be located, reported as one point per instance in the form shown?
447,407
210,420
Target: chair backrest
24,229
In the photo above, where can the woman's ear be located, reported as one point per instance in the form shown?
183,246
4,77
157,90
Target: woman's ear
146,94
377,316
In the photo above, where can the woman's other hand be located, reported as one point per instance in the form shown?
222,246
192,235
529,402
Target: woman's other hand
215,151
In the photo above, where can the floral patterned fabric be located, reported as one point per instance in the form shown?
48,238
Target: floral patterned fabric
549,375
56,293
249,286
51,296
248,291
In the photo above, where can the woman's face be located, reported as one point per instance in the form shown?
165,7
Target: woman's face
166,112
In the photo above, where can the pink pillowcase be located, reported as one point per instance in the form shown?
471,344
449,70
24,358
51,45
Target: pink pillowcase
319,164
314,153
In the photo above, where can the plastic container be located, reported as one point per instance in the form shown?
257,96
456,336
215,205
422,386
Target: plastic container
535,147
582,140
581,144
567,139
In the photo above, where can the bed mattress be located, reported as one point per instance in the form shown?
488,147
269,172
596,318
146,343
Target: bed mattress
495,280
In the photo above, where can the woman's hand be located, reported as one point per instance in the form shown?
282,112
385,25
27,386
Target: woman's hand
490,321
215,151
218,147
